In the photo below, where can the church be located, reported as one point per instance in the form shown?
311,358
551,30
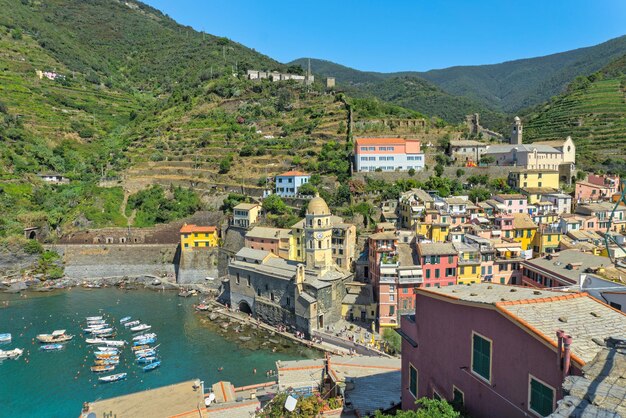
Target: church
306,295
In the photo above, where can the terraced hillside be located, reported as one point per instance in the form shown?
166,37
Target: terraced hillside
593,113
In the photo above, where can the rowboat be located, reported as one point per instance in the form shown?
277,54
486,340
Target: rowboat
144,341
101,369
142,327
132,323
15,353
57,336
5,338
106,355
102,331
93,318
142,336
125,319
96,321
113,377
152,366
148,353
107,362
52,347
108,349
146,359
112,343
140,347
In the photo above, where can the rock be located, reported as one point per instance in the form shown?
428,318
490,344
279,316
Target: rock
213,316
245,338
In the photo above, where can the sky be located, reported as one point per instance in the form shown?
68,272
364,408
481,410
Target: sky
402,35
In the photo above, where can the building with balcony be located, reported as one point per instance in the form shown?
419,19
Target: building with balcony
388,154
524,230
412,205
469,261
541,178
605,212
460,342
246,214
597,187
513,203
439,263
288,183
546,240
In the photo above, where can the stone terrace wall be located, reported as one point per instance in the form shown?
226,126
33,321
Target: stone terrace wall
97,261
198,264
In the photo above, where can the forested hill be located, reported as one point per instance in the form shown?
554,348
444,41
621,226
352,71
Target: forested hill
593,112
505,87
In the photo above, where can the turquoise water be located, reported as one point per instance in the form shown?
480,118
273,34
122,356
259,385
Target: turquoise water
55,384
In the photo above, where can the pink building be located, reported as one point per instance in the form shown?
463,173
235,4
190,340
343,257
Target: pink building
439,262
514,203
274,240
500,351
597,187
387,154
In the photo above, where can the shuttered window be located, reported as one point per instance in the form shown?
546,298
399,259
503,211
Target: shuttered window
481,356
541,398
413,380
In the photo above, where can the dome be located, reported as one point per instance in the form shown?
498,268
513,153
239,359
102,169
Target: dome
318,206
517,119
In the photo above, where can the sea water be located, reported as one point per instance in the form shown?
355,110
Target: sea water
55,384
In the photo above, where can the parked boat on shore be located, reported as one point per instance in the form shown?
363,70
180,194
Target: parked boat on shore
113,377
15,353
5,338
57,336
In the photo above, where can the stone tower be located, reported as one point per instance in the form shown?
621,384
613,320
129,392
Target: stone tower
317,235
517,131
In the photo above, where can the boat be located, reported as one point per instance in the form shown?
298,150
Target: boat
142,327
93,318
101,369
144,341
146,359
125,319
132,323
15,353
5,338
57,336
102,331
141,347
96,321
113,377
149,353
105,355
112,343
108,349
202,307
107,362
142,336
52,347
152,366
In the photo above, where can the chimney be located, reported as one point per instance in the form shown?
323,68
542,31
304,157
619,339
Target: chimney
559,337
300,278
567,342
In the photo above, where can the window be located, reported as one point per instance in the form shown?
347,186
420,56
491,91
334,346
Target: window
436,273
540,397
195,244
615,305
458,397
413,380
436,396
392,298
371,148
428,274
392,310
405,290
481,356
392,288
249,281
473,269
186,245
363,148
450,259
237,280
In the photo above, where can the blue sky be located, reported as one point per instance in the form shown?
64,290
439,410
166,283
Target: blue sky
397,35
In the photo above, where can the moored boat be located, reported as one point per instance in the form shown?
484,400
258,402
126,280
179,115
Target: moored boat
152,366
111,343
125,319
140,347
148,353
144,341
102,331
132,323
108,349
141,327
101,369
93,318
5,338
57,336
105,355
105,362
146,360
142,336
52,347
113,377
15,353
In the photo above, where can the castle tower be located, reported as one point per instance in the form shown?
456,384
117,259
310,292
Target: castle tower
517,131
317,235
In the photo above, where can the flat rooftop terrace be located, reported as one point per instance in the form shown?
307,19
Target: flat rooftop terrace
179,400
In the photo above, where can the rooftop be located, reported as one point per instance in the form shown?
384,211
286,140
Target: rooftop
246,206
523,221
560,263
267,233
436,248
292,173
466,143
380,141
496,149
539,190
191,228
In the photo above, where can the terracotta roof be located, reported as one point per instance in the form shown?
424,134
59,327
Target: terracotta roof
191,228
292,173
380,141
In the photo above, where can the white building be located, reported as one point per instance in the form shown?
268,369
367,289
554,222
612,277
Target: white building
387,154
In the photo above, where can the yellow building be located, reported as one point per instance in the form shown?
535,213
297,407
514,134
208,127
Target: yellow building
546,240
246,214
468,270
536,178
194,236
524,230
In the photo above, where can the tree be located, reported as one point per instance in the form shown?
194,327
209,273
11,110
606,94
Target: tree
478,194
460,172
581,175
487,159
438,170
393,340
307,189
411,172
274,204
428,408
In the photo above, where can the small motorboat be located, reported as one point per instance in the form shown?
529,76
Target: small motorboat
93,318
96,322
102,369
108,349
15,353
132,323
146,360
125,319
113,377
142,327
5,338
152,366
105,355
149,353
144,341
102,331
52,347
105,362
57,336
202,307
141,347
110,343
142,336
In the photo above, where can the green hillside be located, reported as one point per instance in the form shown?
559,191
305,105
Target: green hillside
593,113
505,87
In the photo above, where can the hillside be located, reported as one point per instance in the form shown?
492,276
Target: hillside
593,113
505,87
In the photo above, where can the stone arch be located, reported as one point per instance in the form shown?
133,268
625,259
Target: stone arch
244,307
32,235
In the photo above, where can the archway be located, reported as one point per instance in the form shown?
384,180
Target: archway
244,307
32,235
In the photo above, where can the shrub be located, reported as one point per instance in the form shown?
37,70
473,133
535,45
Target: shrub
33,247
411,172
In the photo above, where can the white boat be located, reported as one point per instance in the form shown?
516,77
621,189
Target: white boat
125,319
112,343
142,327
102,331
108,349
5,338
144,336
98,326
93,318
15,353
113,377
57,336
132,323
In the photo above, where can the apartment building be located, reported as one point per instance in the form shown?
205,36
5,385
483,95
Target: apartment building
388,154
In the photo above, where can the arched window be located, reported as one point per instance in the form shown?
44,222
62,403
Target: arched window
319,244
319,222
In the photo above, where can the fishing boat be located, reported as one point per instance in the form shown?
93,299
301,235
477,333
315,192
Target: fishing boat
96,321
102,331
57,336
140,347
107,362
142,336
105,355
132,323
113,377
5,338
111,343
142,327
144,341
125,319
108,349
152,366
52,347
93,318
149,353
101,369
146,360
15,353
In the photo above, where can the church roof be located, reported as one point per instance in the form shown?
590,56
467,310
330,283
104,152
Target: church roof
318,206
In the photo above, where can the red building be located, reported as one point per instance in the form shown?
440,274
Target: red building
500,351
439,262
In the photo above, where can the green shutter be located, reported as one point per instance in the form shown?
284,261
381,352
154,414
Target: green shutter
481,362
413,380
541,398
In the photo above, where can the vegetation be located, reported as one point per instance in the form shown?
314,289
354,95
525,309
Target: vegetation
427,408
152,206
392,340
307,406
